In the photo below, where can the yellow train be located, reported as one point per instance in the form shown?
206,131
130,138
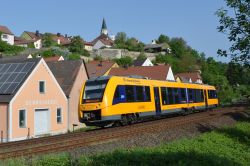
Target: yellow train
105,100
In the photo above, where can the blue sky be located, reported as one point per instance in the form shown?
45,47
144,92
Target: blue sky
194,20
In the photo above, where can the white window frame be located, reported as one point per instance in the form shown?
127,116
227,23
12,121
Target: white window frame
44,83
4,36
25,118
61,117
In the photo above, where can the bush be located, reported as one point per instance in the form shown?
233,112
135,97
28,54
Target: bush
124,61
9,49
74,56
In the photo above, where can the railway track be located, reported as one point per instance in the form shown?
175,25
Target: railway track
71,141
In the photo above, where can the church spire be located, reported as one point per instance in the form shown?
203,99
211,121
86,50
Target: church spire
104,29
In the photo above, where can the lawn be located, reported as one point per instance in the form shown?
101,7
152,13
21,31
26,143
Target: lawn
226,146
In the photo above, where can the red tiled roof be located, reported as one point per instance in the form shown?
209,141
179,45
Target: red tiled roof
88,43
98,68
104,39
152,72
63,40
193,75
19,40
5,30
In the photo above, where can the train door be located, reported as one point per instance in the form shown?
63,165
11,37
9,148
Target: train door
157,101
205,94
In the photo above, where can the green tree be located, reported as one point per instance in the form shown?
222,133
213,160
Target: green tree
178,46
162,39
47,40
237,27
76,45
120,40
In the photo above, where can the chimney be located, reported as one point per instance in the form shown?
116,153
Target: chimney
58,34
37,33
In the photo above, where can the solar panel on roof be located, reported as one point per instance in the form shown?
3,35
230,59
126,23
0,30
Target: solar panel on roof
12,74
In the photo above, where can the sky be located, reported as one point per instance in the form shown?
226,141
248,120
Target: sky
193,20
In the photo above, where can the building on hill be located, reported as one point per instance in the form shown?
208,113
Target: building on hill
157,48
88,46
141,62
160,72
100,68
192,77
70,74
103,41
6,35
32,102
57,38
36,43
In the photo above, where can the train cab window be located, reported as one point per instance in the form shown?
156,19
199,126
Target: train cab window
139,93
164,95
130,96
212,94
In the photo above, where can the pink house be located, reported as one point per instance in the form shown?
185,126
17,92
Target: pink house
32,103
70,74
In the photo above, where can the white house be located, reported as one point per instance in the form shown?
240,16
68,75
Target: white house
6,35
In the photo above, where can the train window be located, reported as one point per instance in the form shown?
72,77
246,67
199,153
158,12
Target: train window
164,95
170,95
130,96
147,93
176,95
139,93
190,95
202,95
119,95
183,95
212,94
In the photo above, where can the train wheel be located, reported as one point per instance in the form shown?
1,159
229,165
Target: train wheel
124,120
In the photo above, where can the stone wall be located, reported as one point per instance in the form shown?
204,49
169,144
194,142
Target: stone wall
108,53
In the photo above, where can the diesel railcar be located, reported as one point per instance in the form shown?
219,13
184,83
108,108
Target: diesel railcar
110,99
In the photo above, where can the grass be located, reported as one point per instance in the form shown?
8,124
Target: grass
226,146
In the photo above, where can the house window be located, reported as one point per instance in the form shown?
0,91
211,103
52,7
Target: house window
42,86
22,118
5,36
59,115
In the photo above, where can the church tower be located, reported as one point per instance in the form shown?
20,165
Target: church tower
104,29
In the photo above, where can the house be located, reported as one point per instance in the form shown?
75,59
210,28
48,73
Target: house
160,72
103,41
142,62
6,35
36,43
32,103
54,58
192,77
88,46
156,48
100,68
70,75
58,38
34,37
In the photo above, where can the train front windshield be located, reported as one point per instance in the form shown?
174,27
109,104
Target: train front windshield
93,90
